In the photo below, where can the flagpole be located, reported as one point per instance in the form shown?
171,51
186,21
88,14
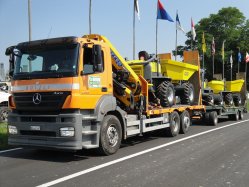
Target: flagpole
134,44
176,37
90,16
156,34
213,65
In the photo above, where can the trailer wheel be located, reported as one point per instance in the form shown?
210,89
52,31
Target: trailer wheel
185,122
241,115
237,99
236,116
228,99
174,127
165,92
213,118
110,135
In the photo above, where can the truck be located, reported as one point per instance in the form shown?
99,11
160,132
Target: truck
224,99
74,93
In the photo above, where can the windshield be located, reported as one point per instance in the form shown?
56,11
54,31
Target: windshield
46,62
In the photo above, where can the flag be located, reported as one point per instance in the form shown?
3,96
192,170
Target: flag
204,48
213,47
178,24
231,60
247,57
239,57
136,5
193,29
161,12
223,50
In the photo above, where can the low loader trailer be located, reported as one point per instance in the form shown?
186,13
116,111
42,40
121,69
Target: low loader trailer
76,93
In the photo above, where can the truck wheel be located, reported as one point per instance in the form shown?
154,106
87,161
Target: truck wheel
213,118
237,99
185,122
174,128
165,92
187,97
236,116
4,111
241,115
228,99
110,135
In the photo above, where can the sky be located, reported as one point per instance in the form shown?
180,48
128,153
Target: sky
111,18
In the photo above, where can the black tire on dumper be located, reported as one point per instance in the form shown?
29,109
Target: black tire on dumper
165,92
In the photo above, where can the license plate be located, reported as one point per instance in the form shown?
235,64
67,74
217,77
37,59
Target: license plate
35,128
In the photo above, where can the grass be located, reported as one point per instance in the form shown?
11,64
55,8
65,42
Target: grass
3,136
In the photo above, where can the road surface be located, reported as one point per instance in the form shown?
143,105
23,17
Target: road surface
205,157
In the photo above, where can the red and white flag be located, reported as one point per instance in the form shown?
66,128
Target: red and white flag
193,29
247,57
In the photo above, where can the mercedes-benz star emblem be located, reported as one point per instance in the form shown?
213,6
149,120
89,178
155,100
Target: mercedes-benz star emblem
37,98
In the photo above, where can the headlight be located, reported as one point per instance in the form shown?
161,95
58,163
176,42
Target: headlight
67,131
12,129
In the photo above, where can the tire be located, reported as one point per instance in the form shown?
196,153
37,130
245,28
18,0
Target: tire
185,122
237,99
213,118
187,97
228,99
241,115
218,100
110,135
208,99
4,111
174,127
165,92
236,116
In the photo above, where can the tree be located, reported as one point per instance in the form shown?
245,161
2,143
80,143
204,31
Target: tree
228,24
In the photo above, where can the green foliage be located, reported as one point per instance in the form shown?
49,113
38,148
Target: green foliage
3,136
228,24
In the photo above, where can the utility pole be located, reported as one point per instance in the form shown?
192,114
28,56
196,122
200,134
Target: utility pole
90,16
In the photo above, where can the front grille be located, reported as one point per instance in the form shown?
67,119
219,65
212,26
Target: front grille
38,119
38,133
50,101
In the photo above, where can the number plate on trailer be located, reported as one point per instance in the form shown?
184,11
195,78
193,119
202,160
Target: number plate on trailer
35,128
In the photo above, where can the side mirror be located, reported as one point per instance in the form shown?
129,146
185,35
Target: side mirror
97,58
9,50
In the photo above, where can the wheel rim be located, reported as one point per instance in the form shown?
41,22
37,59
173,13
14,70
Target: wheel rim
170,95
112,135
4,115
191,95
215,120
174,125
186,122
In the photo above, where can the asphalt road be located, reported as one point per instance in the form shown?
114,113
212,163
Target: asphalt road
216,157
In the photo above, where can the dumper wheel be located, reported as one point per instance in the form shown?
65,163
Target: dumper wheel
187,96
4,111
228,99
165,92
185,122
208,99
213,118
110,135
237,99
174,128
218,100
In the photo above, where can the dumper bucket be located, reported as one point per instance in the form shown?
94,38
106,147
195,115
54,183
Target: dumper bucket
216,86
177,70
234,86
